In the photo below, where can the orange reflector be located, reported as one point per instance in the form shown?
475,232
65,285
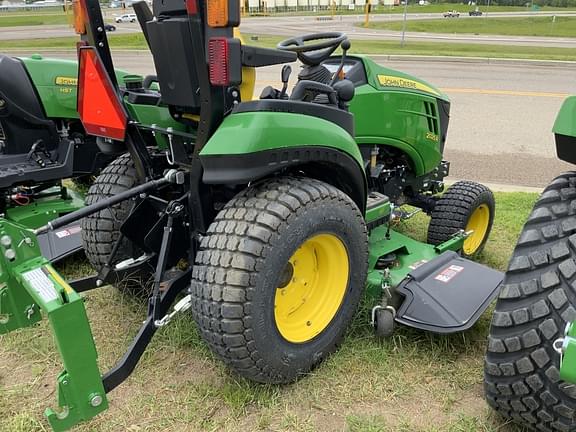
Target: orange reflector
217,13
218,61
100,108
79,11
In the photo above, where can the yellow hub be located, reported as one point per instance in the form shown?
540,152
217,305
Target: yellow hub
312,287
478,224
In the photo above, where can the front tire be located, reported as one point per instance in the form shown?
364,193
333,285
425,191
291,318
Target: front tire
537,299
465,206
279,276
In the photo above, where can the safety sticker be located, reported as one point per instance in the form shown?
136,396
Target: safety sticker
448,273
2,134
68,231
41,284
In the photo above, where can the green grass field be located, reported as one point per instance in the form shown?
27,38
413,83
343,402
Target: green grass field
533,26
136,41
431,8
412,382
7,20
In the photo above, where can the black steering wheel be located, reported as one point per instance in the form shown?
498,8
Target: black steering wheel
313,54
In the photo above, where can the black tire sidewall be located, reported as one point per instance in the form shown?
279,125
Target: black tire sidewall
331,219
454,209
487,198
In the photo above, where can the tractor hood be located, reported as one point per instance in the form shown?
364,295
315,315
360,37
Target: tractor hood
383,78
55,81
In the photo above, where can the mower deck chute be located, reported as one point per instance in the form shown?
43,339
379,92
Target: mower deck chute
447,294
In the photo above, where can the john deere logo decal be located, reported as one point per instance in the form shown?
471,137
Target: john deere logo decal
394,81
66,81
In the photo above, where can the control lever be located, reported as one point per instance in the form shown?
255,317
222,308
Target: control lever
286,71
345,45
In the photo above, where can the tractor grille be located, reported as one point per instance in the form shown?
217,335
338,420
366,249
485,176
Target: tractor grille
431,117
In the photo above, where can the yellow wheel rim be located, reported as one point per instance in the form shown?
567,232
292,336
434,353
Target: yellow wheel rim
311,289
478,224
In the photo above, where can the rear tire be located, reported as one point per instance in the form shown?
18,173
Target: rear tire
101,230
279,276
467,206
537,299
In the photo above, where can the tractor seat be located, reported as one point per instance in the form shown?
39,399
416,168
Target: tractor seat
22,118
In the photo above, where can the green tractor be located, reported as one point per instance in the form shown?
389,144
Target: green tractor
42,141
530,365
268,219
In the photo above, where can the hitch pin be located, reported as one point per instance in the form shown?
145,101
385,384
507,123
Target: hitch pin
170,151
182,306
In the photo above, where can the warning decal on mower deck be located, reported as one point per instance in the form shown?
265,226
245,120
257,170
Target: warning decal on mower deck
68,231
448,273
41,284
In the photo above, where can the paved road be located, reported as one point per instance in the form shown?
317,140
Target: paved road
501,117
292,25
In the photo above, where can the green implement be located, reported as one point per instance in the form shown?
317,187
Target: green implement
29,287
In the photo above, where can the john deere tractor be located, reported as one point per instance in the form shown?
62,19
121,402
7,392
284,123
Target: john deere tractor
265,218
530,367
42,141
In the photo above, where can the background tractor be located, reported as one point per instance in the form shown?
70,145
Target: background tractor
525,378
265,218
42,141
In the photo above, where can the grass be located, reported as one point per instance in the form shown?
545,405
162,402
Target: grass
414,381
32,20
533,26
136,41
46,16
418,9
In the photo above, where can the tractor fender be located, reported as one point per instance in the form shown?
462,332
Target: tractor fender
565,131
410,151
249,146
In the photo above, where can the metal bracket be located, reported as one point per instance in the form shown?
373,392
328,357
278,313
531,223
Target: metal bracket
182,306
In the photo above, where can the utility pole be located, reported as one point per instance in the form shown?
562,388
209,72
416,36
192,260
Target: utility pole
367,8
404,23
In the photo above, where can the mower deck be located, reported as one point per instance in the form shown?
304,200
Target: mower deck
44,207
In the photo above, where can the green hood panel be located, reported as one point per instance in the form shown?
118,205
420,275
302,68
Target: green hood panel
383,78
565,123
397,118
55,81
251,132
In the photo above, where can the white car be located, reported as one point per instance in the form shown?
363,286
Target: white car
451,14
126,18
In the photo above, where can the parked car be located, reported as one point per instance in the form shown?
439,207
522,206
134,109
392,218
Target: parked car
451,14
126,18
475,13
109,27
